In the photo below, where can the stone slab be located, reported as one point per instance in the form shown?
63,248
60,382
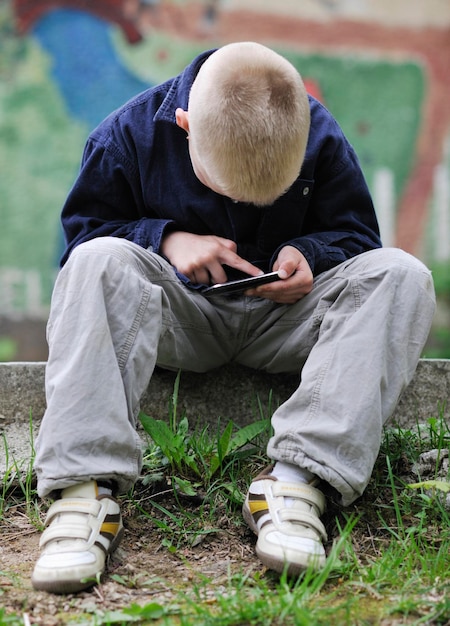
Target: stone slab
232,392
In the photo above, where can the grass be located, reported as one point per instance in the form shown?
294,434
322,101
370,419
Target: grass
19,478
388,564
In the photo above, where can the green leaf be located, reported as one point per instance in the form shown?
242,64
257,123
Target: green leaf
160,432
440,485
248,433
233,493
189,460
227,444
153,610
223,444
174,403
183,427
185,486
117,617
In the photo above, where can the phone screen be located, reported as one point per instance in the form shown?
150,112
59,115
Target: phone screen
236,286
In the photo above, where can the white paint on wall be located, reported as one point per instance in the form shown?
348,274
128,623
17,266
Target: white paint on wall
441,235
383,193
402,13
22,293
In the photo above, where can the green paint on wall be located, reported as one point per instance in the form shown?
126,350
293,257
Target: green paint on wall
377,103
40,149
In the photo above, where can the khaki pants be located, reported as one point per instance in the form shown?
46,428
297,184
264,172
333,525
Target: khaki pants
118,310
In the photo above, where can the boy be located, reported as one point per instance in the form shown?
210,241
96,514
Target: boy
227,169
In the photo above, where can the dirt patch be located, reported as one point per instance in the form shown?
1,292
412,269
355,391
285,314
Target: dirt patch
211,545
141,571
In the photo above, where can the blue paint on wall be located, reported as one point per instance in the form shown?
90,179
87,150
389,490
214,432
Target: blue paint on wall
91,77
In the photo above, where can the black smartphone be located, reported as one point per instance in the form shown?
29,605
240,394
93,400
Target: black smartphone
235,286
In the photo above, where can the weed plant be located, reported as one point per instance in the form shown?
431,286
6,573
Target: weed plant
18,481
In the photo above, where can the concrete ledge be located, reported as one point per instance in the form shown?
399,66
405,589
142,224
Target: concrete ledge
229,393
232,392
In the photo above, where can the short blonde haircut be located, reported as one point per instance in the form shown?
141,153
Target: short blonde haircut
249,122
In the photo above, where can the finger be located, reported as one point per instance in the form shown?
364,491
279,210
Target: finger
238,263
227,243
285,270
201,276
285,291
286,267
281,297
217,274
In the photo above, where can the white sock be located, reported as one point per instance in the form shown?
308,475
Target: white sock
104,487
291,473
104,490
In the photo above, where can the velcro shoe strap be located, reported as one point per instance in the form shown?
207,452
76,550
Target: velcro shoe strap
61,531
77,505
304,518
301,492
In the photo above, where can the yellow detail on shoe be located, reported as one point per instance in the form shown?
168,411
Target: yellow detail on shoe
256,506
110,528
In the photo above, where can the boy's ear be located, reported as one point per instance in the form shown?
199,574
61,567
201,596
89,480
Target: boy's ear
182,119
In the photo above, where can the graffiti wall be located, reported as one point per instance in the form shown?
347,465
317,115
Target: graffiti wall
380,67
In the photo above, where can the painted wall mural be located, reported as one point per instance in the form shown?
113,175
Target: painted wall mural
65,64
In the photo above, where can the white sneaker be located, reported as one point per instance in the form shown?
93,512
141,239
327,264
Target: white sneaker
285,516
83,529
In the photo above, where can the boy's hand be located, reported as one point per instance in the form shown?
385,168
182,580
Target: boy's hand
296,274
201,257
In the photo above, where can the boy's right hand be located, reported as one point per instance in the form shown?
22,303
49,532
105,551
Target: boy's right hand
201,257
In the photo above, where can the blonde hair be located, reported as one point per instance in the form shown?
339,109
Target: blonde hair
249,122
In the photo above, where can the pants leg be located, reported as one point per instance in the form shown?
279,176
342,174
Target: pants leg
117,310
363,328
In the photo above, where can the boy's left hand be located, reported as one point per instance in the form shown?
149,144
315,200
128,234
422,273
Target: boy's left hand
297,278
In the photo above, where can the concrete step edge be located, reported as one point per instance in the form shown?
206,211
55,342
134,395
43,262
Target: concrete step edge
230,392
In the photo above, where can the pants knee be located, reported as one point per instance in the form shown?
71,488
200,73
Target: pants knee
113,246
400,266
410,269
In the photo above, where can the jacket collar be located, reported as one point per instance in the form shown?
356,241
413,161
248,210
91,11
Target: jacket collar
178,94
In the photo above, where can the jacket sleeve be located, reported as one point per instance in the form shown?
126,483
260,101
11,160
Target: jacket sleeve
340,221
106,200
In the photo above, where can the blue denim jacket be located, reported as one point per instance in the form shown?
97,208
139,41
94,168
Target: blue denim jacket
136,181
